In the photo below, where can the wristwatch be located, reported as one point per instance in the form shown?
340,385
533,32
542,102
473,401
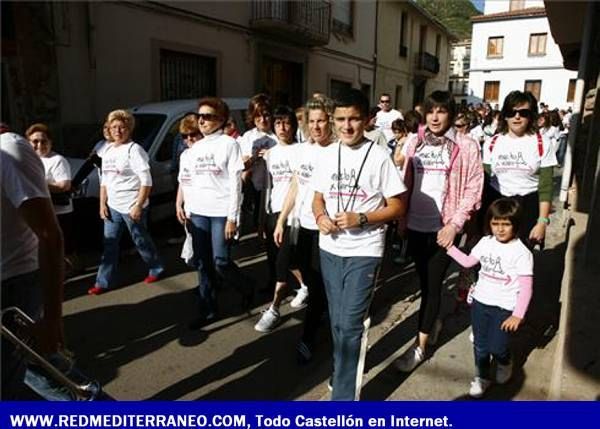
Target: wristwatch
362,220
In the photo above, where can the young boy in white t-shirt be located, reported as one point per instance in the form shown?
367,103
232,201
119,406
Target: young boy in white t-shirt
357,189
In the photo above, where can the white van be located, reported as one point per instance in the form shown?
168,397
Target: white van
156,129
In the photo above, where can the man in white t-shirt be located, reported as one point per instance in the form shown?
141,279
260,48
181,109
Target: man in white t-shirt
357,191
386,116
32,251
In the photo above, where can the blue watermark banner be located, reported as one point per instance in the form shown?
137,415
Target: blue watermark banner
276,415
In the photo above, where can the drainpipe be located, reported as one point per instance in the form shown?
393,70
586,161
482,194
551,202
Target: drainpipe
373,93
578,103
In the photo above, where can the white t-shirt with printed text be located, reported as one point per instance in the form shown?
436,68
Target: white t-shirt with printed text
501,265
431,165
209,174
308,155
379,180
57,169
281,163
124,167
515,163
23,179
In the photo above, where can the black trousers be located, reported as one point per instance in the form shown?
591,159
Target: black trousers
431,262
309,263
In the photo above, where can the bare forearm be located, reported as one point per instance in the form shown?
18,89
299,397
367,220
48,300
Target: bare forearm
318,205
143,195
103,196
393,210
545,207
60,186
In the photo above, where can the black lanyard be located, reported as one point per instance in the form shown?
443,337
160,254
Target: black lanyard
354,191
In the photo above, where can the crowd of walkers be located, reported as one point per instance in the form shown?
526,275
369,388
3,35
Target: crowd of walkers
328,187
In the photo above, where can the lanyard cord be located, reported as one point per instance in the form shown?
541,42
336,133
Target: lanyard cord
353,192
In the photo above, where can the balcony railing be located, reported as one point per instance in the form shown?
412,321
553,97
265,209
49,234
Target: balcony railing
427,64
304,22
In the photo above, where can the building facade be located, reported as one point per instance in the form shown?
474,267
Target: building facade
413,52
513,49
70,63
460,63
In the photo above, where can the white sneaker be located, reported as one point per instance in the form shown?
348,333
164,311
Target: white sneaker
268,320
472,337
410,359
301,298
434,335
478,387
503,373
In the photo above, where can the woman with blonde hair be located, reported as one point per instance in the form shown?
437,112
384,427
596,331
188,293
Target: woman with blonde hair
124,190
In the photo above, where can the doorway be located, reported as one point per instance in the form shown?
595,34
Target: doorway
282,80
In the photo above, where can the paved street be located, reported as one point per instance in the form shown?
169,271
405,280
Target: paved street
135,341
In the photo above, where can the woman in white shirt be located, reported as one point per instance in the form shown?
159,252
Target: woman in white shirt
519,162
58,178
124,190
208,202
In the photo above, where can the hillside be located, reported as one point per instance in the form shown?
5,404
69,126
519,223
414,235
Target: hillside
454,14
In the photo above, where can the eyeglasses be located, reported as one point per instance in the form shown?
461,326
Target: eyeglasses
385,101
460,125
118,128
523,113
208,117
187,136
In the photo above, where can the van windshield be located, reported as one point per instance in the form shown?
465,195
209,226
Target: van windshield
147,126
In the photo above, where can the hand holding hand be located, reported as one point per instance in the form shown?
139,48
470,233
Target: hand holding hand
346,220
326,225
446,235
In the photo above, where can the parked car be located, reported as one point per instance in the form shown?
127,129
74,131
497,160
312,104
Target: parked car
156,128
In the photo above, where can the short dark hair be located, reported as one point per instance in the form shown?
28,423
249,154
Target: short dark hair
221,108
399,125
441,99
505,209
373,111
354,98
259,104
413,119
285,112
513,99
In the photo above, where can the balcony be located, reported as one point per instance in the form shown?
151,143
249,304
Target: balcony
303,22
426,65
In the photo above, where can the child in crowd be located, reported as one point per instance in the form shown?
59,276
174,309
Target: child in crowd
396,145
502,293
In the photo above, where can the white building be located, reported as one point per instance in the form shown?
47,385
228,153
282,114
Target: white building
512,49
460,58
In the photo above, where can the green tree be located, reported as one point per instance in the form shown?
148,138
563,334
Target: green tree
454,14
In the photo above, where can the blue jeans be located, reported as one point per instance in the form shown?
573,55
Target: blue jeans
23,291
349,284
490,340
212,258
113,229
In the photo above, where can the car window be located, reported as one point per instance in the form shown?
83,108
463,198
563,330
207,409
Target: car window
147,126
165,151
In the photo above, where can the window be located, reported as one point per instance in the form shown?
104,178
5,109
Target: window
366,89
403,23
537,44
398,96
535,87
571,90
337,87
516,5
343,16
495,47
165,151
491,90
184,75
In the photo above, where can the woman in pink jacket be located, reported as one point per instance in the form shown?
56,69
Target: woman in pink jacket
444,177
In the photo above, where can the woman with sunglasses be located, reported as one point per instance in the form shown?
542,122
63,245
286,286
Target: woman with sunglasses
58,178
444,177
519,162
208,201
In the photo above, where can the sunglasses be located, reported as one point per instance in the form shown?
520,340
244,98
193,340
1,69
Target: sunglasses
187,136
523,113
208,117
460,125
385,101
